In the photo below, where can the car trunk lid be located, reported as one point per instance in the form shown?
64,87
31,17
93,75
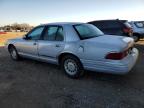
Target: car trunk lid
114,42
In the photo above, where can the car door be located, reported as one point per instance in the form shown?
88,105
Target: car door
29,44
52,43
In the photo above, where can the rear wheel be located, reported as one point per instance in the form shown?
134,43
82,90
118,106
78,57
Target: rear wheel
72,66
13,53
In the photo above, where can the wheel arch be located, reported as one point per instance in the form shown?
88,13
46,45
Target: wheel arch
66,54
9,46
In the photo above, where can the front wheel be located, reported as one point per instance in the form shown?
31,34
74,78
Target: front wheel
72,66
13,53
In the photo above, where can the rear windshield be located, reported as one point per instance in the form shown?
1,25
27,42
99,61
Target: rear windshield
86,31
139,24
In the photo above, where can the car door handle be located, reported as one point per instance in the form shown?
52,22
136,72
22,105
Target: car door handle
57,45
35,43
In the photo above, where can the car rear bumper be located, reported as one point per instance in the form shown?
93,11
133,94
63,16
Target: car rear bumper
113,66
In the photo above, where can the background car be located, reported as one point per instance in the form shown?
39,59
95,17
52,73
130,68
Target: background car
114,27
138,29
76,47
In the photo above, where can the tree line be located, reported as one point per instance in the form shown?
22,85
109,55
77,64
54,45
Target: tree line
24,27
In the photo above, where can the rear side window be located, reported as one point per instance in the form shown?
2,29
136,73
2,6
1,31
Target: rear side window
113,24
59,36
107,24
53,33
139,24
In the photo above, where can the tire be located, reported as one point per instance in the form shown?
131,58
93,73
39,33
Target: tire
136,38
72,66
13,53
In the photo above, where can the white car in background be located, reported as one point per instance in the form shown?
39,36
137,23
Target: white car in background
138,29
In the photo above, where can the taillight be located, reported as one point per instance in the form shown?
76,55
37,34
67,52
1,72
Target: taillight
116,56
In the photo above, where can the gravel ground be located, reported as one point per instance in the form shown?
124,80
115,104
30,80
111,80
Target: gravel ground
32,84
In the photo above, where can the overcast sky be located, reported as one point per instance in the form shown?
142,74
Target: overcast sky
44,11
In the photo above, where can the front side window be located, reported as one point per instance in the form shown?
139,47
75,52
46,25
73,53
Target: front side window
86,31
53,33
35,34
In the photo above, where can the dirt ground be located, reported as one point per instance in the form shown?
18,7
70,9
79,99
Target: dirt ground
33,84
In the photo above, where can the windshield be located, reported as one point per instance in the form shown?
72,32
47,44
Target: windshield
86,31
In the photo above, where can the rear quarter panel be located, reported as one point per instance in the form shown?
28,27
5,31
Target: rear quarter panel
95,51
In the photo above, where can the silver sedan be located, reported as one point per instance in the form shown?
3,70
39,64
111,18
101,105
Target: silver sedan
76,47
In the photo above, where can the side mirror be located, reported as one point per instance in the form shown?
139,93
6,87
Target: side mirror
25,37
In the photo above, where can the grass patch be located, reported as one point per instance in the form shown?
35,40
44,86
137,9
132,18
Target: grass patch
9,35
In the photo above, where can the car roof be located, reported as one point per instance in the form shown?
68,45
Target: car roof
138,21
107,20
62,23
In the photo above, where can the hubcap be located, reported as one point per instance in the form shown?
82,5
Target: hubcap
70,66
13,53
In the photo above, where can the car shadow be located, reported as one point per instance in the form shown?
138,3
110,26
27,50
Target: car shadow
44,64
88,75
